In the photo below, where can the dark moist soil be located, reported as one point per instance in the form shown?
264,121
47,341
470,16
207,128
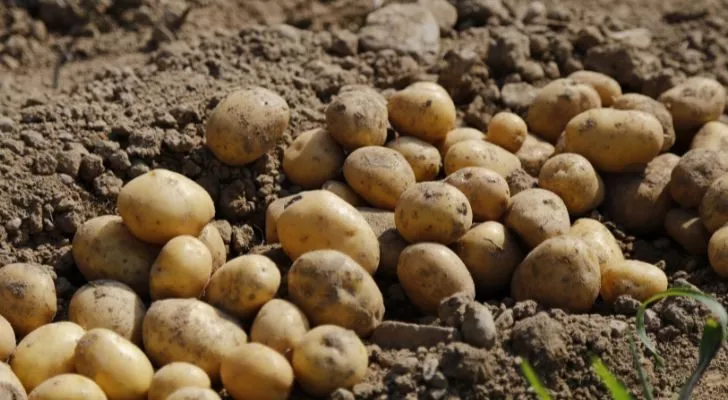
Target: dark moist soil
91,99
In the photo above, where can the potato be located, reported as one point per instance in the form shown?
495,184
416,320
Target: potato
533,154
27,296
556,104
614,140
477,153
607,88
331,288
344,191
111,305
391,243
561,272
640,201
379,175
599,240
273,212
430,272
685,227
67,386
428,85
357,119
507,130
423,157
194,393
634,278
313,158
175,376
211,237
358,87
491,253
713,135
162,204
246,124
536,215
189,330
717,252
182,269
328,358
7,339
694,173
640,102
433,212
322,220
693,103
10,386
714,206
254,371
487,191
423,112
458,135
279,325
243,285
573,178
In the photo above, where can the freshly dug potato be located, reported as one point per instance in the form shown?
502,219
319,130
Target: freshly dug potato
111,305
273,212
614,140
556,104
254,371
379,175
692,176
714,206
10,386
573,178
433,212
713,135
533,154
646,193
561,272
430,272
693,103
243,285
344,191
67,387
640,102
279,325
536,215
7,339
428,85
175,376
685,227
491,253
358,87
478,153
211,237
599,240
194,393
356,119
391,243
162,204
507,130
458,135
322,220
717,253
27,296
423,157
329,357
638,279
45,353
182,269
331,288
189,330
487,191
313,158
246,124
608,88
425,113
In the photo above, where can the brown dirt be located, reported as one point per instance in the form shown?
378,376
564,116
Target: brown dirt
139,78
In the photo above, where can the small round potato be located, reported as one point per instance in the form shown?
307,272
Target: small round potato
329,357
379,175
67,387
254,371
692,176
211,237
7,339
478,153
423,157
718,252
713,135
487,191
391,243
182,269
458,135
637,279
331,288
273,212
430,272
175,376
162,204
279,325
424,113
507,130
111,305
561,272
533,154
357,119
194,393
27,296
573,178
433,212
693,103
45,353
491,253
608,88
344,191
685,227
714,206
428,85
246,124
243,285
313,158
536,215
599,240
640,102
359,87
10,386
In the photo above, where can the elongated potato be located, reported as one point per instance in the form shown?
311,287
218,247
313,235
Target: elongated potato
713,135
313,158
714,206
379,175
694,173
458,135
423,157
279,325
599,240
7,339
254,371
637,279
344,191
211,237
507,130
27,296
556,104
424,113
67,386
608,88
356,119
10,386
182,269
640,102
486,190
478,153
533,154
693,103
574,179
175,376
536,215
685,227
391,243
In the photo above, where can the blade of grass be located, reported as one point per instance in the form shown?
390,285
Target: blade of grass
637,364
541,392
614,386
710,343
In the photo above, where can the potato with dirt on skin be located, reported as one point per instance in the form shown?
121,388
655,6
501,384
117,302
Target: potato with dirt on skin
67,387
273,213
182,269
211,237
573,178
359,87
379,175
714,206
194,393
534,153
685,227
478,153
640,102
344,191
536,215
27,296
607,88
426,113
694,173
391,243
430,272
458,135
10,386
423,157
329,357
713,135
313,158
486,190
175,376
246,124
718,252
7,339
693,103
599,240
507,130
357,119
254,371
279,325
357,304
637,279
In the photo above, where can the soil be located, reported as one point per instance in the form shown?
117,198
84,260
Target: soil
94,93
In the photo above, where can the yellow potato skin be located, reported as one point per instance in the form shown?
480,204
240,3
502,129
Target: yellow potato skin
272,213
344,191
379,175
10,385
638,279
713,211
684,226
423,157
487,191
424,113
458,135
182,269
175,376
7,339
313,158
357,119
67,386
534,153
640,102
279,325
254,371
713,135
607,88
536,215
194,393
478,153
693,103
599,240
507,130
718,252
34,305
211,237
574,179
